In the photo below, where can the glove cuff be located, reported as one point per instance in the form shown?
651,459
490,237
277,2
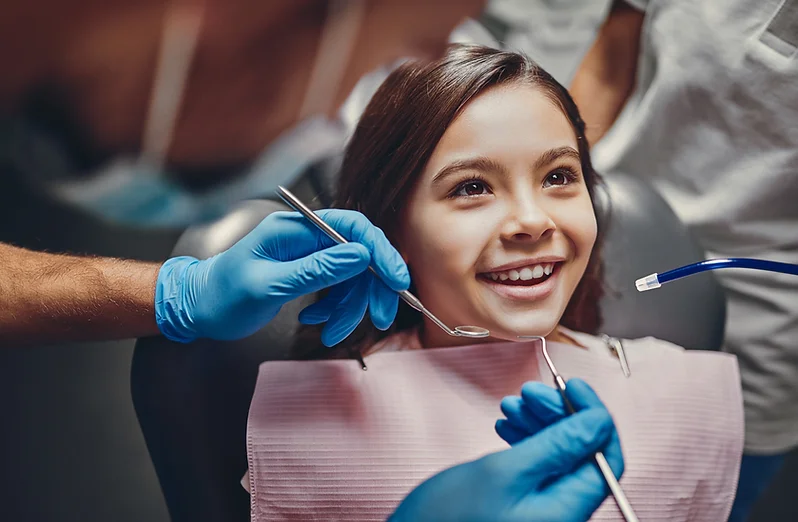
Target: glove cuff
170,312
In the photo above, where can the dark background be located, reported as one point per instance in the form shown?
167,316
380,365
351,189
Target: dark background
70,445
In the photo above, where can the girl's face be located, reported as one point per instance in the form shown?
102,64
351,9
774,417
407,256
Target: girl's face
499,227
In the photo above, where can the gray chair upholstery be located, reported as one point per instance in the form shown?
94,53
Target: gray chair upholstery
645,236
192,400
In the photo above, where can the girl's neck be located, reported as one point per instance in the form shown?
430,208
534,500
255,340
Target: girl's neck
559,336
432,337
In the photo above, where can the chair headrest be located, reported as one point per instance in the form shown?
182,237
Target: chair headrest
644,236
275,339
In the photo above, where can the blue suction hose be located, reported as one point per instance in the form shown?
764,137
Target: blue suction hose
656,280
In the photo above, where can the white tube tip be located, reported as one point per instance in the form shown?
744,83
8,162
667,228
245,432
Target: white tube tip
649,282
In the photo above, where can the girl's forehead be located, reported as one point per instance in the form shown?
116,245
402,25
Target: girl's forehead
504,120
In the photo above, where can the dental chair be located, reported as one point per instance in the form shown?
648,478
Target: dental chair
192,400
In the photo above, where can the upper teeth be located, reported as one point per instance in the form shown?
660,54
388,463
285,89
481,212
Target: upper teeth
524,274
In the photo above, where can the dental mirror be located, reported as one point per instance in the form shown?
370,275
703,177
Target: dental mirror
472,332
475,332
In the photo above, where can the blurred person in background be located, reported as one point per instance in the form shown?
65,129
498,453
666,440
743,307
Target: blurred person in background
154,113
700,99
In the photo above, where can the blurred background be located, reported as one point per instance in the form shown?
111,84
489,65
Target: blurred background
70,445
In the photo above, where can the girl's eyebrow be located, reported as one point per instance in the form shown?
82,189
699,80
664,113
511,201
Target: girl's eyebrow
552,155
484,164
480,163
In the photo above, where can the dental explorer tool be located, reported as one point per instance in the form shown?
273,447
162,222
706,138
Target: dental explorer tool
615,487
473,332
656,280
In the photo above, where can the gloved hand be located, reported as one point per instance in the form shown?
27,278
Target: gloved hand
548,474
541,405
234,294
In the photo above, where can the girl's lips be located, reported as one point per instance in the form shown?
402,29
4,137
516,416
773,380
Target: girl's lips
523,290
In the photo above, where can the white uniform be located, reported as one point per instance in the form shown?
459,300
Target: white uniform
713,124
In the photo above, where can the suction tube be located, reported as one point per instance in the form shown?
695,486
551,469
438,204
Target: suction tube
656,280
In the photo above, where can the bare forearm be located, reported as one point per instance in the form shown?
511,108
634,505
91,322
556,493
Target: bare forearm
606,76
52,298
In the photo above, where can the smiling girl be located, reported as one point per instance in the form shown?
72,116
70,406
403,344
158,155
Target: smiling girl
477,169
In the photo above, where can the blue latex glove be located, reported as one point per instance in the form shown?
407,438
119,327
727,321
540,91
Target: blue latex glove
234,294
541,405
548,475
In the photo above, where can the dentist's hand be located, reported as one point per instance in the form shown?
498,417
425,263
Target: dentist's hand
234,294
548,475
541,405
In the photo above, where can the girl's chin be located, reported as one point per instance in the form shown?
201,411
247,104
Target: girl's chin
511,332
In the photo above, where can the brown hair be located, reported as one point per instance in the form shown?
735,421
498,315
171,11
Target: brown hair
398,132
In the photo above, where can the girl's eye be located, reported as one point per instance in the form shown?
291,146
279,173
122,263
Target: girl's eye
471,188
560,177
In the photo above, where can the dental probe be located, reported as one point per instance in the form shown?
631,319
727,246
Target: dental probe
615,487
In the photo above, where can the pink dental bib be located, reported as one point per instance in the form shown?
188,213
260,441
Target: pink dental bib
328,441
